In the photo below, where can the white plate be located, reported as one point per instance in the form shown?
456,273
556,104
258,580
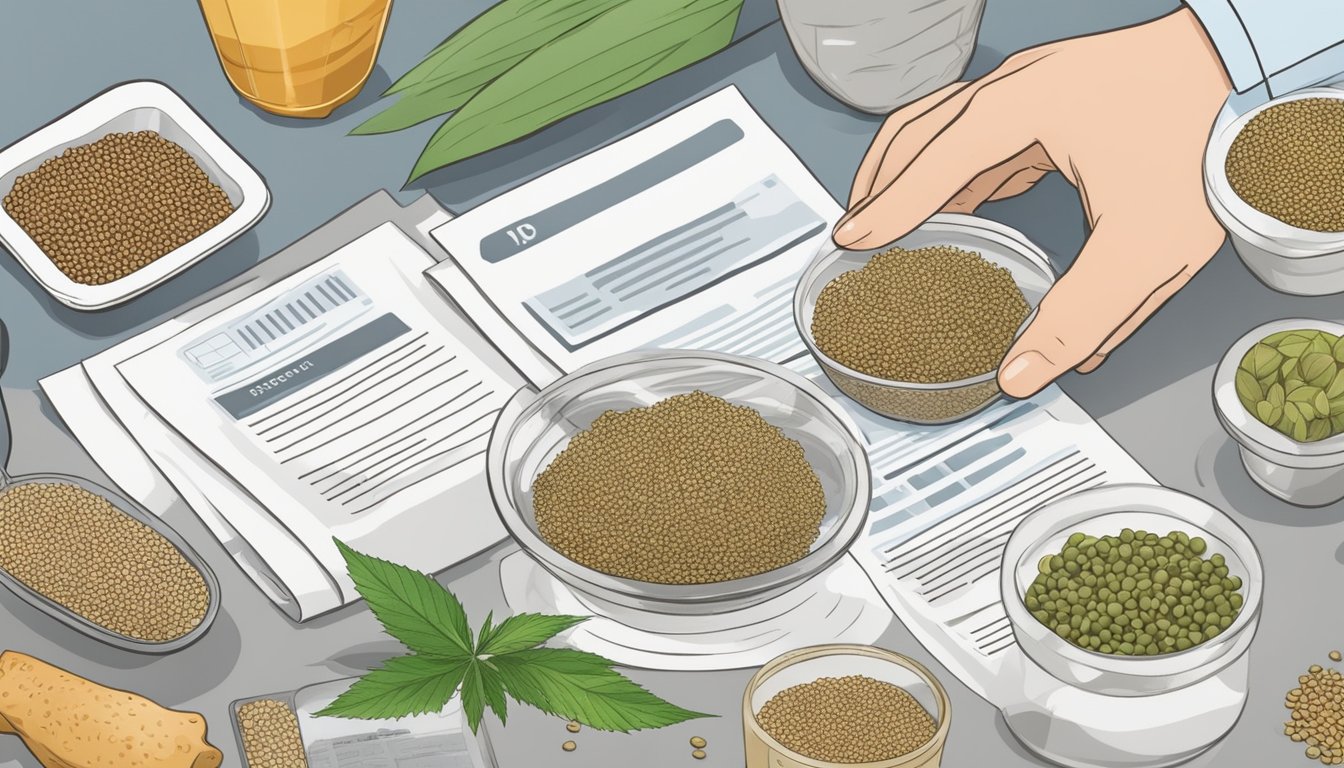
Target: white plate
135,106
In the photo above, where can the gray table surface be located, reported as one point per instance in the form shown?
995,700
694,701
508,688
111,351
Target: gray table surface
1153,396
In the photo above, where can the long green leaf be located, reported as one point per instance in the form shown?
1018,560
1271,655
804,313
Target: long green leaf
582,686
523,631
629,46
483,50
411,606
405,685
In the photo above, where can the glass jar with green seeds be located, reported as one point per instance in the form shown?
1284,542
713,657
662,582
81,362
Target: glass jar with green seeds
1279,393
1293,381
1134,607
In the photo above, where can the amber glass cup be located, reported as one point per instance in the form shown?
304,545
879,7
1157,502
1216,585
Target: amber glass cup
298,58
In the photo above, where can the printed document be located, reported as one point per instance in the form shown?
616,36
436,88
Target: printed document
692,234
339,401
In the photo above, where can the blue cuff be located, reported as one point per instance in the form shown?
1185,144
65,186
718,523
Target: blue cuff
1232,40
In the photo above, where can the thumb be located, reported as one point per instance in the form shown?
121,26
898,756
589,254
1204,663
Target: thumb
1108,287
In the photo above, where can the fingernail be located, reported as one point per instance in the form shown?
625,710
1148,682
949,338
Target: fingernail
846,233
1021,376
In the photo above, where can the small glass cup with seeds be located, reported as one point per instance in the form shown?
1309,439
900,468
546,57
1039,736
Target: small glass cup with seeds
837,705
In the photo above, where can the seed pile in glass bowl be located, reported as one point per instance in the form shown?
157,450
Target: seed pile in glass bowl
1288,162
103,210
690,490
929,315
852,719
1135,594
78,550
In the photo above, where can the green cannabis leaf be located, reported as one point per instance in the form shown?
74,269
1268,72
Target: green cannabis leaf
497,663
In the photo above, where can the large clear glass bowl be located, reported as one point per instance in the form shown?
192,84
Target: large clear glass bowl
534,427
915,402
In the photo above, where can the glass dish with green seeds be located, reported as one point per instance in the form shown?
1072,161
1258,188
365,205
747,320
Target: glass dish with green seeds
1279,392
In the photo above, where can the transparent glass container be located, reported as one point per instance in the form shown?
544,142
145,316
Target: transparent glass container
1304,474
1092,710
1286,258
138,513
533,427
877,55
809,664
912,401
299,59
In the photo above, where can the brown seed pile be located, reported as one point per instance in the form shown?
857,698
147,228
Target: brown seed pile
690,490
101,211
270,732
1288,162
930,315
78,550
1317,706
853,719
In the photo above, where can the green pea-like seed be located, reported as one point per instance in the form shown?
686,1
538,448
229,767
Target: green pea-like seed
1136,593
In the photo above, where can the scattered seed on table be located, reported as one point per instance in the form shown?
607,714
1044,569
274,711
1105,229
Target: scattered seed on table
698,754
698,742
569,746
1335,656
77,549
573,726
1317,705
690,490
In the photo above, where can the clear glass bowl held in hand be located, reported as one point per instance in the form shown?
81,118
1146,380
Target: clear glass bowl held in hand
911,401
534,427
1089,709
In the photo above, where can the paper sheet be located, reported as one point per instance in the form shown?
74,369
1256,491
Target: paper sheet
563,267
152,461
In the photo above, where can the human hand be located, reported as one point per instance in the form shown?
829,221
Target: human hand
1124,116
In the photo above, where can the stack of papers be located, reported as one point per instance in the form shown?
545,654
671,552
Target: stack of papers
338,402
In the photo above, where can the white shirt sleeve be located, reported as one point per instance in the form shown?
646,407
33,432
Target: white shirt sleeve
1283,45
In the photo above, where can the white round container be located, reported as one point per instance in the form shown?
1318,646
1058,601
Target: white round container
1086,709
1304,474
1286,258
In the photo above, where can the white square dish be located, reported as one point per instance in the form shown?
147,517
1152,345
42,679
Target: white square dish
134,106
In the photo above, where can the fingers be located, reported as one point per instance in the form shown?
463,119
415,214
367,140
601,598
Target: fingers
990,128
1154,303
913,127
1007,179
863,177
1114,285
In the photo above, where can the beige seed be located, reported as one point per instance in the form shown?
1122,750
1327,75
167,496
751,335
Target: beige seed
1288,162
104,210
573,726
270,734
78,550
853,719
930,315
569,746
690,490
698,754
698,742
